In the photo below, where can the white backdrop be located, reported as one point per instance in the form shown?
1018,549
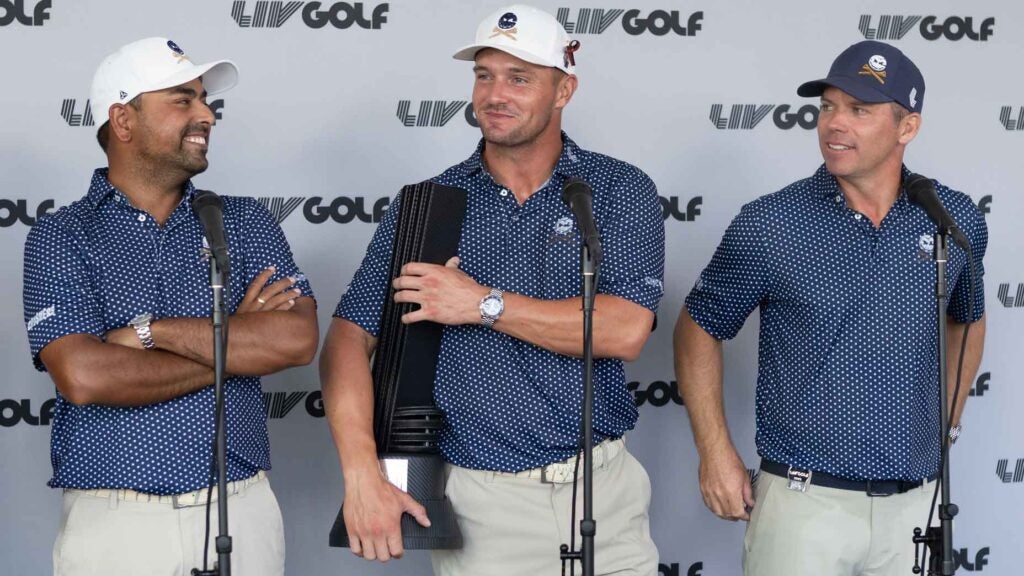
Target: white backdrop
321,118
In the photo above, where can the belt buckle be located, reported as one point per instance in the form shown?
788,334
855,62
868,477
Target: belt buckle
891,488
189,499
556,473
176,502
798,479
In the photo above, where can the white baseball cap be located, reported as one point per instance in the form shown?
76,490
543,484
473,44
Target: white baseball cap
526,33
149,65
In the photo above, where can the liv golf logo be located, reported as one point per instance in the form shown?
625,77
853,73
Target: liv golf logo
78,117
673,207
892,27
341,15
1008,121
674,569
658,22
317,210
69,112
12,11
14,211
434,113
278,404
748,116
964,558
1010,473
1011,299
985,204
14,412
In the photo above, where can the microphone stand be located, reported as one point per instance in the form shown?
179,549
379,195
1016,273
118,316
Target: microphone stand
588,526
218,276
939,540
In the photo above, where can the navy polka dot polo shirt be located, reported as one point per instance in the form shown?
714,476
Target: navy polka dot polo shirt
511,405
847,379
96,264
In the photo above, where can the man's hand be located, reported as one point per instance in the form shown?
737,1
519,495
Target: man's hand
262,298
445,294
725,485
277,296
373,514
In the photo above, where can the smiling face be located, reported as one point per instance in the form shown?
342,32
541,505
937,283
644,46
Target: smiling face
860,140
516,102
172,129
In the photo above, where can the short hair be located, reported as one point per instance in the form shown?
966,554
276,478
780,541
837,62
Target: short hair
899,112
103,134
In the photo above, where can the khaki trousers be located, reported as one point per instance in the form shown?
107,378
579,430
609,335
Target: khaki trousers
513,524
123,533
827,531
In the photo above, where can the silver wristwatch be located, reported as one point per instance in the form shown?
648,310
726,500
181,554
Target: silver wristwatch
491,307
954,433
141,324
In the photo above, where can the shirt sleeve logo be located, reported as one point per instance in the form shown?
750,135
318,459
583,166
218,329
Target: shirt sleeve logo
42,316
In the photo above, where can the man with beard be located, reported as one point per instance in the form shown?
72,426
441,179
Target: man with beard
117,305
841,266
509,374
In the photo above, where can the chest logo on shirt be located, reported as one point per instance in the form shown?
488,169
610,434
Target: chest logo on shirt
926,247
204,251
561,232
563,226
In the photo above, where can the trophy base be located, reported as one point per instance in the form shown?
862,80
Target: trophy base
424,481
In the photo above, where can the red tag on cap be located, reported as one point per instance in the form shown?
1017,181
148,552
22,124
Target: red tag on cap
569,50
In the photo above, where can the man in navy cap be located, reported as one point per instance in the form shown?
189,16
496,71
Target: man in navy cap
840,266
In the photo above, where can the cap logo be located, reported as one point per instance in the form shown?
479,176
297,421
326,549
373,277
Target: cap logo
913,97
507,26
178,52
874,68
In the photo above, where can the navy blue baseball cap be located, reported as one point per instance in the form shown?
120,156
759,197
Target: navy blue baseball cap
872,71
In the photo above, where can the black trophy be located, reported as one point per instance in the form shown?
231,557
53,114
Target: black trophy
406,421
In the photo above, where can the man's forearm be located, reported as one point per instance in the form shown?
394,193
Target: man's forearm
347,386
620,327
972,361
259,343
698,365
87,370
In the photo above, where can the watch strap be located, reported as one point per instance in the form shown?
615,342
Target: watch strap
488,320
145,333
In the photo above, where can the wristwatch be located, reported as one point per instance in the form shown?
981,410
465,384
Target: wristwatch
954,433
491,307
141,324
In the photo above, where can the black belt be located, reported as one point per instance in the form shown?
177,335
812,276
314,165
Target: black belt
869,487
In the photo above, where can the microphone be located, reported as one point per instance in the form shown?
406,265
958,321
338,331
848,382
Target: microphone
577,195
209,207
921,191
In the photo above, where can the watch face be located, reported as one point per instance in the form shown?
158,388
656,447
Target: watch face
141,319
491,306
